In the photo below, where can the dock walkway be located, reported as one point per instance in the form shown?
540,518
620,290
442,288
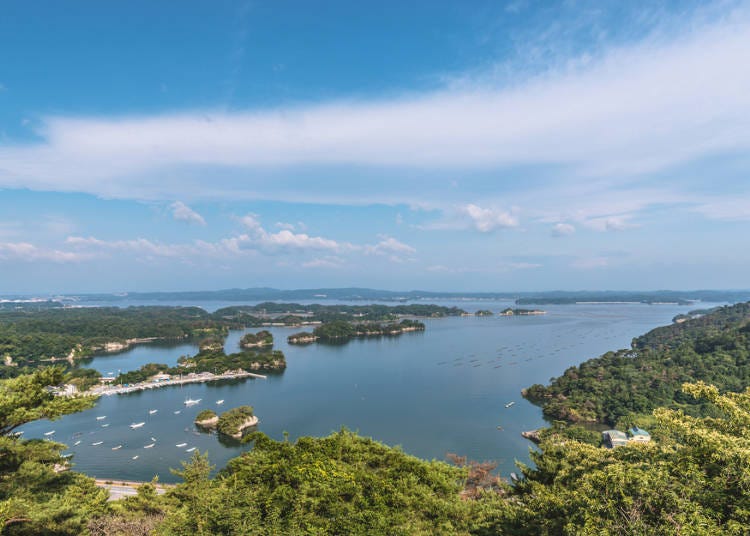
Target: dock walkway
197,378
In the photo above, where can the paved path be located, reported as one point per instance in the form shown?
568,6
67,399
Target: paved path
119,489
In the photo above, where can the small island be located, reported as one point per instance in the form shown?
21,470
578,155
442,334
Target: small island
252,340
521,312
484,312
231,423
207,419
235,421
341,331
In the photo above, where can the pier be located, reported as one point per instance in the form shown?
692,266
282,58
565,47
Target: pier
192,378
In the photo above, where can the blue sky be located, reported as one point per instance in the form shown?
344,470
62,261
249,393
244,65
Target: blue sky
491,145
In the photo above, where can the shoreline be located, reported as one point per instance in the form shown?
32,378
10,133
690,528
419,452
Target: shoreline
203,377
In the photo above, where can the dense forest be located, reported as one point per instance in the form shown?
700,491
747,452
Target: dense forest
714,348
29,338
262,338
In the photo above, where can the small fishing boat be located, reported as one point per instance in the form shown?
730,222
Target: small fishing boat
153,439
220,402
191,449
509,404
49,433
192,402
152,411
105,425
101,417
135,457
180,445
97,443
150,445
177,412
137,425
118,447
77,443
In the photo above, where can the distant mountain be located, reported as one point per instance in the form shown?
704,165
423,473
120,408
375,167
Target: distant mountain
259,294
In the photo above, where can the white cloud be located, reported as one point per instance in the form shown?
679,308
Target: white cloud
286,239
26,252
489,219
140,246
325,262
388,246
563,229
611,223
182,212
631,110
284,225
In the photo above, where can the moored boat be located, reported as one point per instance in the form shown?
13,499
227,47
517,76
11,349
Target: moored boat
137,425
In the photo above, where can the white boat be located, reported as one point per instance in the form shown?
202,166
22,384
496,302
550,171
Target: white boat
49,433
152,411
150,445
153,439
101,417
77,443
509,404
105,425
192,402
177,412
97,443
180,445
191,449
118,447
220,402
137,425
135,457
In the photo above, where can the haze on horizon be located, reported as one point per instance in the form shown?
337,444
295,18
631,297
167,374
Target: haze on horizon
499,147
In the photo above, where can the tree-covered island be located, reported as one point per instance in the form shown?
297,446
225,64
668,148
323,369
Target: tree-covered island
253,340
341,331
510,311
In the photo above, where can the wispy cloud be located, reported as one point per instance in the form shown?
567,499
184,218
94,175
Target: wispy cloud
631,110
182,212
563,229
26,252
476,217
324,262
388,246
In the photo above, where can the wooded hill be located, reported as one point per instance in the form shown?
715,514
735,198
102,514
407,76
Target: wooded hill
714,348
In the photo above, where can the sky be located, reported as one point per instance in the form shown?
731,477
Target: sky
433,145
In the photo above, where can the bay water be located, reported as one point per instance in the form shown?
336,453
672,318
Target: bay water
433,392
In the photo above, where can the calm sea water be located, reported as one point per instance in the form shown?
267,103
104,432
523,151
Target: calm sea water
438,391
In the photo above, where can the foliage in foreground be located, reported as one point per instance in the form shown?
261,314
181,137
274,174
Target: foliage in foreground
340,484
694,480
35,496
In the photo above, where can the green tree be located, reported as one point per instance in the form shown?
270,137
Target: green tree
37,494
